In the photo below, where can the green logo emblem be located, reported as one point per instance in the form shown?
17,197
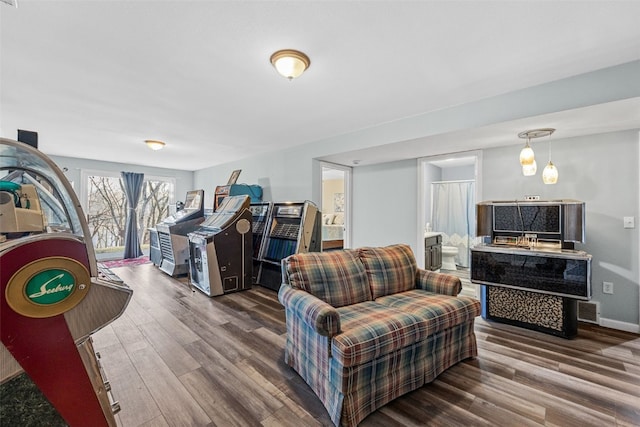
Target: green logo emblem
50,286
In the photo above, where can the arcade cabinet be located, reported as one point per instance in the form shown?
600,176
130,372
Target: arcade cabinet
294,227
172,234
221,249
52,299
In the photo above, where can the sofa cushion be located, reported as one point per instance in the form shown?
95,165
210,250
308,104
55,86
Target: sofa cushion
370,330
389,269
439,311
336,277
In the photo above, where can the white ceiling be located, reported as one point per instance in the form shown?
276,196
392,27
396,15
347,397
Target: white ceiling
96,78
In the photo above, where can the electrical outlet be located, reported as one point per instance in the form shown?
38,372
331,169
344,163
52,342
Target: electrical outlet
629,222
532,197
607,287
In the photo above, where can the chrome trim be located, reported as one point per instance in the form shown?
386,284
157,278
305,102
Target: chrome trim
541,252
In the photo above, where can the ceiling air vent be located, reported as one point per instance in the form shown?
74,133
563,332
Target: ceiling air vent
589,311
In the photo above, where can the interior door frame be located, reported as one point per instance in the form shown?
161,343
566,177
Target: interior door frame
348,216
421,196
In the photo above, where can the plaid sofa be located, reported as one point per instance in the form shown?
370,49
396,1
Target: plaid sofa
365,326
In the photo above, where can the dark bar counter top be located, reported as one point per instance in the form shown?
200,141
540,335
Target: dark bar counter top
549,270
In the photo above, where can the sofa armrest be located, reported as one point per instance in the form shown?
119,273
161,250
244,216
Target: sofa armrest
439,283
317,314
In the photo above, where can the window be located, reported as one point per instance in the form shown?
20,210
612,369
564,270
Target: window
106,209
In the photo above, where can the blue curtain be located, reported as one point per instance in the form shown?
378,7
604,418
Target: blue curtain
454,216
132,188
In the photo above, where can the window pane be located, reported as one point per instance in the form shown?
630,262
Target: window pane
107,211
153,206
106,214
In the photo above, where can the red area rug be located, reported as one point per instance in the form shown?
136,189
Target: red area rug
126,262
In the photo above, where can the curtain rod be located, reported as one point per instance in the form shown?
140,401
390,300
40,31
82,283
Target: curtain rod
453,182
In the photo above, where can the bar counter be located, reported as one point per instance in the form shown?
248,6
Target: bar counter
535,288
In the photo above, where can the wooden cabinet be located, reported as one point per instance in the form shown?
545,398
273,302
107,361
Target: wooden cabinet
433,252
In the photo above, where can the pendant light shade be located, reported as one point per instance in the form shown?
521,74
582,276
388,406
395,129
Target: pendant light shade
290,63
527,157
529,170
550,174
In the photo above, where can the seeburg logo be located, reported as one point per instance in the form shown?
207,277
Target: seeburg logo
47,287
50,286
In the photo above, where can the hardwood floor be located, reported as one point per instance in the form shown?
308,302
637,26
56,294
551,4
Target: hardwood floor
179,358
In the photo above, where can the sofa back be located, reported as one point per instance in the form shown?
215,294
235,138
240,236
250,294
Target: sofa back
350,276
336,277
390,269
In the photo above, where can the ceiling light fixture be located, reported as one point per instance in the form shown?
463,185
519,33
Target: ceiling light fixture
290,63
527,158
155,145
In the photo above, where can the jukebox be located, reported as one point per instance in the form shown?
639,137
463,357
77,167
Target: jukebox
221,249
172,241
294,227
261,213
530,272
52,298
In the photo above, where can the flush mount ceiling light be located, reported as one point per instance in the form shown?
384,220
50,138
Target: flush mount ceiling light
527,158
290,63
154,144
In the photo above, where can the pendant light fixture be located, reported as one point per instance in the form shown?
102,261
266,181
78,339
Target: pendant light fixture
550,172
527,157
290,63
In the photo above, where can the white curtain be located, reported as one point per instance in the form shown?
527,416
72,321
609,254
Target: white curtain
454,215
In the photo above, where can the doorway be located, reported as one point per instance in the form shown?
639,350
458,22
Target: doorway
449,188
336,206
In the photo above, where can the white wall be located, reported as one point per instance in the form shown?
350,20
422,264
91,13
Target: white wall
431,173
283,176
385,204
459,173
